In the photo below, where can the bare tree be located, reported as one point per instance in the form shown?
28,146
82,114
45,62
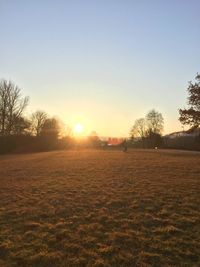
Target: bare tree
139,128
38,119
12,105
155,122
3,106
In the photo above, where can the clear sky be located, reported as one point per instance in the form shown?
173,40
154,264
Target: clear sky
103,63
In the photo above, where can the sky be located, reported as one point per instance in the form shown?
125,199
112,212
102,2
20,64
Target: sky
102,63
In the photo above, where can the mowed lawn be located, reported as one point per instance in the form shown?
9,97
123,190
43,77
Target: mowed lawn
100,208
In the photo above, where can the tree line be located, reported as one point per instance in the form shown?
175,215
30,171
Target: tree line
147,131
40,132
19,132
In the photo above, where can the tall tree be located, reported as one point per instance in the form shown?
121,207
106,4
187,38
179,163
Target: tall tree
12,106
191,116
155,125
38,120
155,122
139,128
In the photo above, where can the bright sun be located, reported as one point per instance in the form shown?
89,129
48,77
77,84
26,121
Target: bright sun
78,128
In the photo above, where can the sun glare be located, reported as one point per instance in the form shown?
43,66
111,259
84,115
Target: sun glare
78,129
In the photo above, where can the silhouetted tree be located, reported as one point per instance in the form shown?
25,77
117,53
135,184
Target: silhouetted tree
12,105
38,119
191,116
155,125
155,122
139,130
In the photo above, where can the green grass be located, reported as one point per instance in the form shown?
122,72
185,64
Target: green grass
100,208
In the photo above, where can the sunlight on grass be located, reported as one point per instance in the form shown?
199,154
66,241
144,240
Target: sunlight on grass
99,208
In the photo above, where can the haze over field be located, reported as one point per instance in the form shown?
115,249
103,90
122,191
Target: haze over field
102,63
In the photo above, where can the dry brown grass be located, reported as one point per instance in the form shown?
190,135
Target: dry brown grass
100,208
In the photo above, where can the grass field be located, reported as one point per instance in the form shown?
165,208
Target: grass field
100,208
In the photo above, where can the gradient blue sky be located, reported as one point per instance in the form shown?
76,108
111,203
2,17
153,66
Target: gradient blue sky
103,63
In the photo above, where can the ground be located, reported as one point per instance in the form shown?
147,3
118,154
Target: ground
100,208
